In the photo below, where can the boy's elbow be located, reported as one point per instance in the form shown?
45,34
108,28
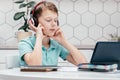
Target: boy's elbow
32,61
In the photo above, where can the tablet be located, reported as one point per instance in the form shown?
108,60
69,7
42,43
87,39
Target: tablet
106,53
38,68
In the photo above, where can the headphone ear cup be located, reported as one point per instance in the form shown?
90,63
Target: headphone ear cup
32,20
35,21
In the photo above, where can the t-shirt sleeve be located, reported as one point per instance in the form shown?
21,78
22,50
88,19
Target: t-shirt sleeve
63,53
24,47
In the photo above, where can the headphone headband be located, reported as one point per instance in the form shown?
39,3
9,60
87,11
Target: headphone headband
32,18
37,6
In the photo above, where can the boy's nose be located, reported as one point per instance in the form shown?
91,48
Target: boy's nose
53,24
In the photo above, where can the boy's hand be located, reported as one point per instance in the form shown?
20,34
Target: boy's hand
31,26
39,29
39,32
58,36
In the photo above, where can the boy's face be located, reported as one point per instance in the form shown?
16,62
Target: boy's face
48,20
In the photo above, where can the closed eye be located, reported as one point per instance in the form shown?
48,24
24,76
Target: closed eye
48,20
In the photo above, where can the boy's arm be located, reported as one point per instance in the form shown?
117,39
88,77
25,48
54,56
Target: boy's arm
75,56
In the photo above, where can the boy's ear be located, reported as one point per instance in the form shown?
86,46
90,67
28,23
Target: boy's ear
57,22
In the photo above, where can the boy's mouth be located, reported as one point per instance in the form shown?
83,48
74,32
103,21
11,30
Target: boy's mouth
52,30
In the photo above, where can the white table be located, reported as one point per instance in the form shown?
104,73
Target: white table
64,73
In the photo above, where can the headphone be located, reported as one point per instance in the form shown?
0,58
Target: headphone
32,12
33,19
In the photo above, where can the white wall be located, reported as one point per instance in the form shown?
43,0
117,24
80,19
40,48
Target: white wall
82,21
10,58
